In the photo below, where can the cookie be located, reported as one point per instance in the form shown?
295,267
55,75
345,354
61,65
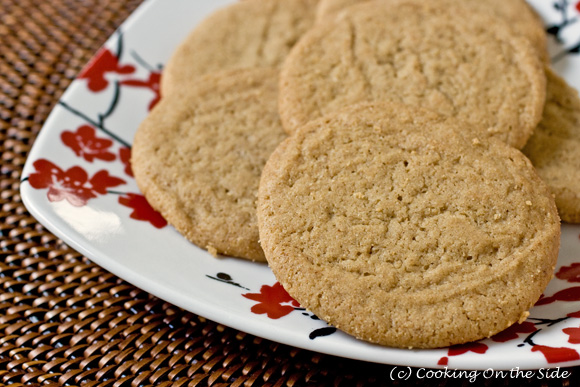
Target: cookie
401,228
198,157
417,54
249,33
517,13
554,148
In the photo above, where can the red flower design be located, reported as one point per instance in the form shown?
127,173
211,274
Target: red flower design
72,185
125,156
103,62
556,355
574,314
570,294
512,332
271,301
142,210
85,143
578,6
574,335
569,273
460,349
152,83
102,180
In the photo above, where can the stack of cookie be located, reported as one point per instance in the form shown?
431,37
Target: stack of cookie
368,151
199,155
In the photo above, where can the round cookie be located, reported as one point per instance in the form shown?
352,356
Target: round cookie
417,54
517,13
554,148
198,157
399,227
249,33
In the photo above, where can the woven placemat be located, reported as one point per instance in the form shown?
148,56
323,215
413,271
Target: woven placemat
67,321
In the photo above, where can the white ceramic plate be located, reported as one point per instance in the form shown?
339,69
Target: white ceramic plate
76,182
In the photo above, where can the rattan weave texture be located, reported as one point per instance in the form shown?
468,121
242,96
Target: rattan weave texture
67,321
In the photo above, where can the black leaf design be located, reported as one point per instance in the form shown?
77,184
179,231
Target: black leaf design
227,279
321,332
575,49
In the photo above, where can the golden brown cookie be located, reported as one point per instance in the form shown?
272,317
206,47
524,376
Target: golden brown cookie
198,157
554,148
249,33
416,53
517,13
399,227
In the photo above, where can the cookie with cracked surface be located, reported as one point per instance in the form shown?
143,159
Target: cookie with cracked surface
198,157
554,148
249,33
399,227
417,54
518,13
